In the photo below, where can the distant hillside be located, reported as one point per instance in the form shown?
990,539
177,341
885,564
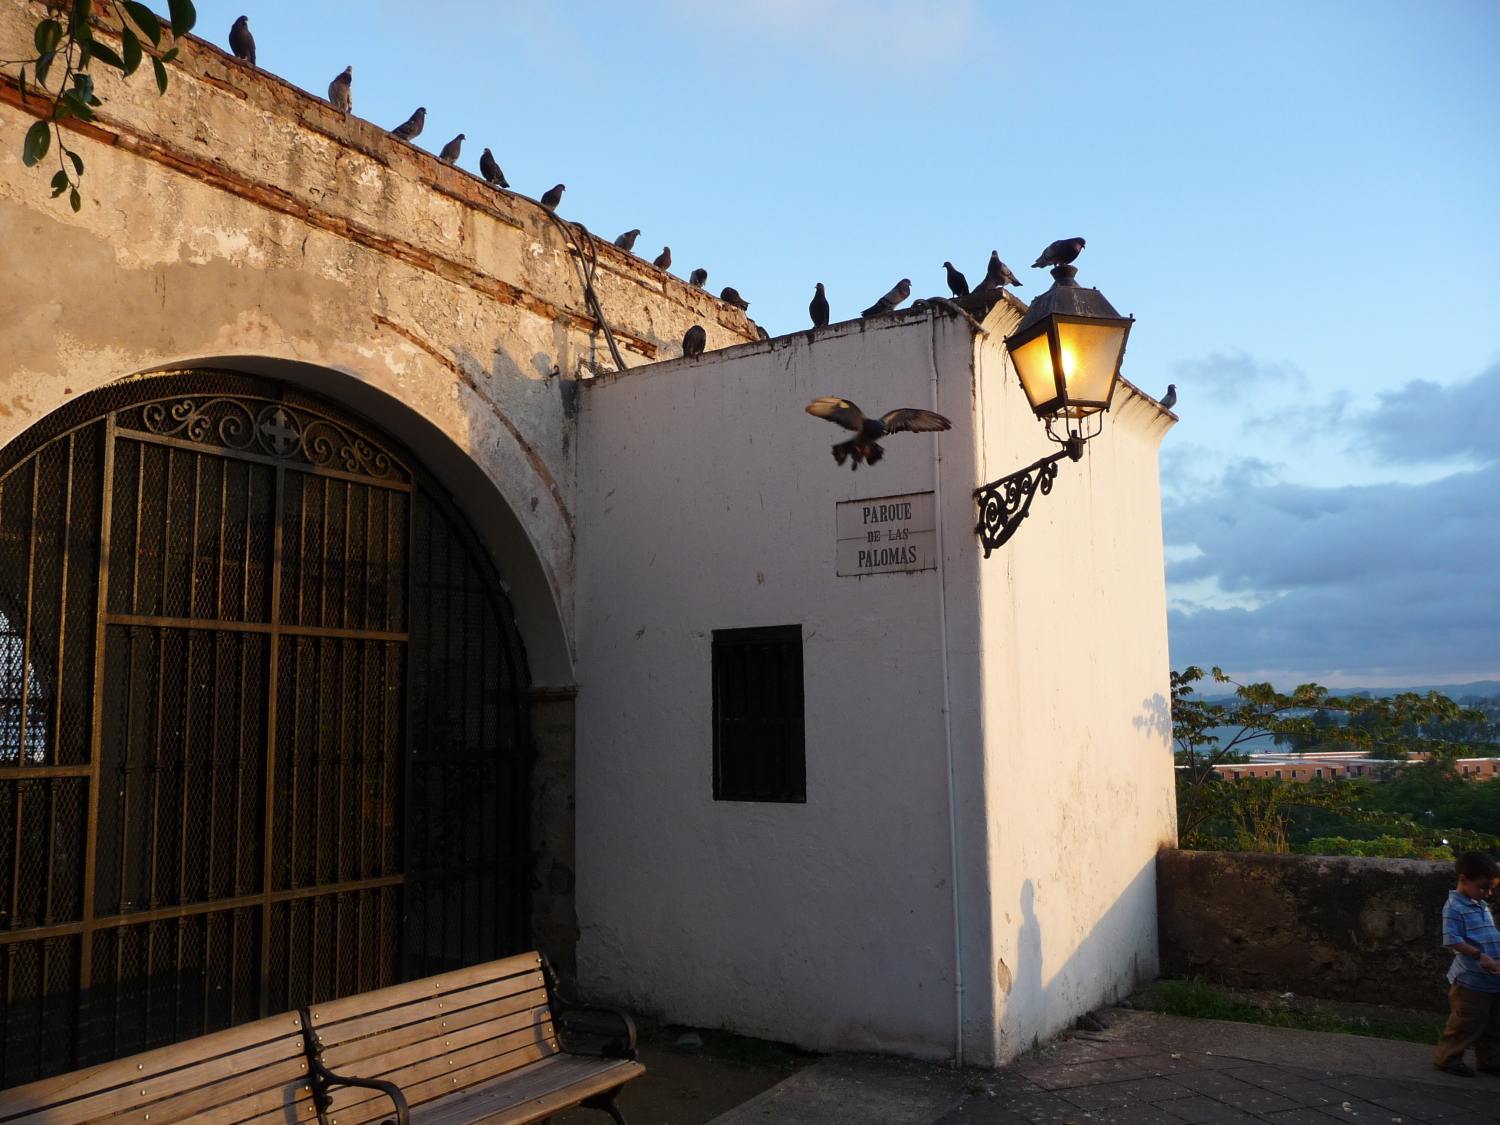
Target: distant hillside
1479,689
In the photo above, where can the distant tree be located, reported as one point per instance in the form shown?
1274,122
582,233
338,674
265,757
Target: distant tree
1258,814
65,49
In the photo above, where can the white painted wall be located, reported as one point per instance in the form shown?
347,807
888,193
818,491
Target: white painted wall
707,501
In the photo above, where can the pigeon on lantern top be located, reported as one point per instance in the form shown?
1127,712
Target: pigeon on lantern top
1060,253
891,299
698,277
818,308
1169,399
491,170
241,42
340,90
865,445
452,149
626,241
412,125
553,196
998,273
958,284
694,340
731,296
663,261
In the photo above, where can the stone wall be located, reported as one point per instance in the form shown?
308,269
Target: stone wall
1337,927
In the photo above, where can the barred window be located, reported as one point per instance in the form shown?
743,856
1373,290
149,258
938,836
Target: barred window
759,752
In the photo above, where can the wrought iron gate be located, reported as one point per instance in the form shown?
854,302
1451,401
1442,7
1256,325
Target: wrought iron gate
262,721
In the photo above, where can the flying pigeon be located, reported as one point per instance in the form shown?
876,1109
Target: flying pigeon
731,296
957,282
999,274
412,125
1060,253
818,308
1169,399
339,92
553,196
663,261
626,241
864,446
241,42
694,340
698,278
490,170
891,299
451,149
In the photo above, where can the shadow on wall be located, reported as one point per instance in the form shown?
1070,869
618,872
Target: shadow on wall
1155,718
1096,973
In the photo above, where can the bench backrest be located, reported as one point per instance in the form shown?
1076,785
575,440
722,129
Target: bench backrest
256,1072
436,1035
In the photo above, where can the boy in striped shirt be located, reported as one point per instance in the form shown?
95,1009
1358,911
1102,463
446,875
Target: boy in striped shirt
1474,998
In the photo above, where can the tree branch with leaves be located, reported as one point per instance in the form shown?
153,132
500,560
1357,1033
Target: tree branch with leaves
66,48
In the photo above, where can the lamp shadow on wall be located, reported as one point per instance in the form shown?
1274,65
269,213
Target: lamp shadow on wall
1093,975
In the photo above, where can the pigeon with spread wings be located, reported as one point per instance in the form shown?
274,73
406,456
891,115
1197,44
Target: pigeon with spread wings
865,445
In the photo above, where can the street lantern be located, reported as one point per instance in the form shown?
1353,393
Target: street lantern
1067,351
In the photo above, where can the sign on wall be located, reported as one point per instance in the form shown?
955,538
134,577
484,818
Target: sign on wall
887,534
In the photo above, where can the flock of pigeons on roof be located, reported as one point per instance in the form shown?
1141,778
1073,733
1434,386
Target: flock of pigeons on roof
864,446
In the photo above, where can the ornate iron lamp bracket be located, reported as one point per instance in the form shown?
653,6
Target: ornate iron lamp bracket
1004,503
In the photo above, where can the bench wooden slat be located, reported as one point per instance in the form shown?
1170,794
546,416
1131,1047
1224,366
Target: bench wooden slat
211,1081
289,1102
564,1080
148,1065
432,1009
411,1044
399,994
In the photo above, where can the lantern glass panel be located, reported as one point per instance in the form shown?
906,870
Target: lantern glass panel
1033,361
1090,357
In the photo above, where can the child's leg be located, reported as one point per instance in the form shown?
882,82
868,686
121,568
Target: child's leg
1487,1047
1468,1019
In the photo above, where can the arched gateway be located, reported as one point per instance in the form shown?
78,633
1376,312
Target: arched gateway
263,721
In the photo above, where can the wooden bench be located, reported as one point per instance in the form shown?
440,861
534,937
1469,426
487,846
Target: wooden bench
476,1045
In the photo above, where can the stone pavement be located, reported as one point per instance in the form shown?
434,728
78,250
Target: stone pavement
1149,1069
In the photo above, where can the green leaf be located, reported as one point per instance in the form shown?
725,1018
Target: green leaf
184,16
59,183
38,141
43,65
161,74
76,200
146,20
168,56
130,50
107,55
49,34
85,54
82,9
75,105
24,99
76,159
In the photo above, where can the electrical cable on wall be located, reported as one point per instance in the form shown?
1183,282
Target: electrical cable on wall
587,268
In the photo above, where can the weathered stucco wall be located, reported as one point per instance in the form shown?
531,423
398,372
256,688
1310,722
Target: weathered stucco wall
240,222
1343,928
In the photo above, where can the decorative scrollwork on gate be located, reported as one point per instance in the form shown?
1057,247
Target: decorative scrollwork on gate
1004,503
274,429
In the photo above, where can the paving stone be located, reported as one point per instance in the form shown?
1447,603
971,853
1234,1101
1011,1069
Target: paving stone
1212,1082
1202,1110
1086,1074
1154,1089
1098,1098
1425,1106
1253,1099
1365,1086
1359,1111
1133,1115
1039,1107
1302,1090
982,1110
1302,1115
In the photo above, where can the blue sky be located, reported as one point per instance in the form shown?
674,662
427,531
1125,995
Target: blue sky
1300,203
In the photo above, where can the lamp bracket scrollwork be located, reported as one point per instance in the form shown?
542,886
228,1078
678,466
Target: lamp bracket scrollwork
1004,503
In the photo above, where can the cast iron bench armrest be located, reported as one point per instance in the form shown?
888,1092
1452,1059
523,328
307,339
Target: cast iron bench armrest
322,1077
620,1047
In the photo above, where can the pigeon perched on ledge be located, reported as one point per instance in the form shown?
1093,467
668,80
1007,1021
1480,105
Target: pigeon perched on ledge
1060,253
698,277
663,261
491,170
553,196
694,340
341,90
731,296
1169,399
998,273
412,125
241,42
452,149
626,241
817,308
865,446
891,299
958,284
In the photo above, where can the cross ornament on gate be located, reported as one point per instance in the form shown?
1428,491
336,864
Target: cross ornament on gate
277,431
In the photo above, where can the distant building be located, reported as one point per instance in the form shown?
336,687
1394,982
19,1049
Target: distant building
1340,764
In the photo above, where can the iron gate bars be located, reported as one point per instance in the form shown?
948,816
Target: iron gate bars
262,721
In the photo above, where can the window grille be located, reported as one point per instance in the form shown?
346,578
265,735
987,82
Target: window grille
759,752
